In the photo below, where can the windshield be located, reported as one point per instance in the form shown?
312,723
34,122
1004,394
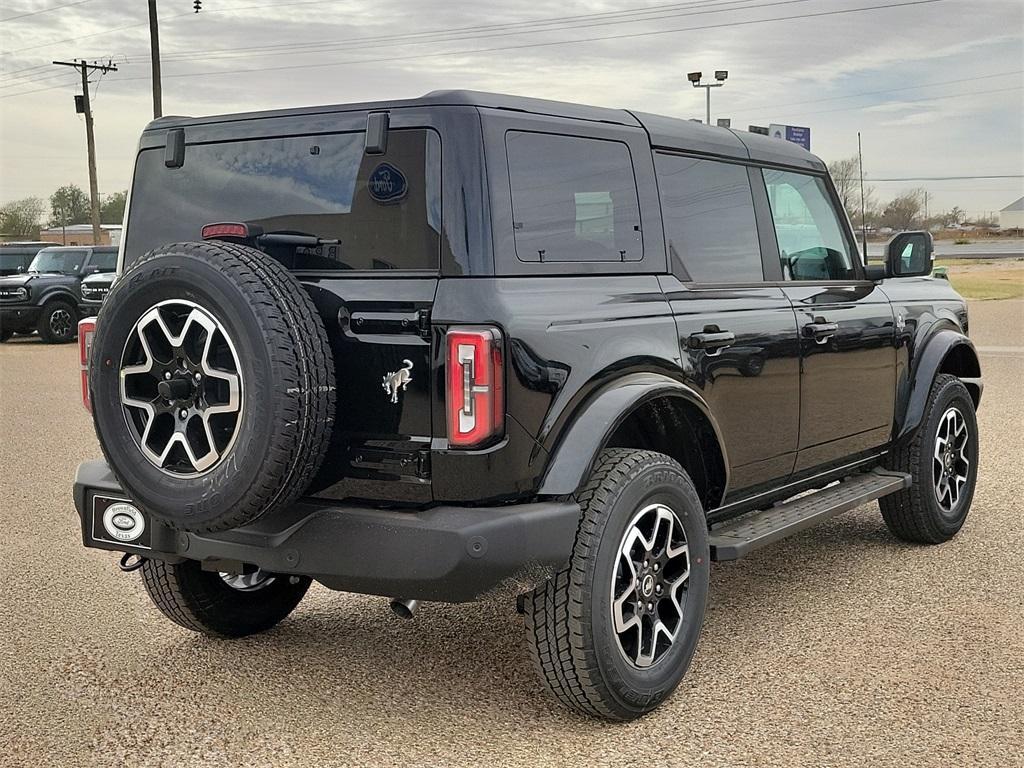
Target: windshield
58,261
373,211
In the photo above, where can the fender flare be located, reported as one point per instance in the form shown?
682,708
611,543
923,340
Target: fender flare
596,421
939,346
56,293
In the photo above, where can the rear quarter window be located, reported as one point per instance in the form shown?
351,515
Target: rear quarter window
573,199
385,209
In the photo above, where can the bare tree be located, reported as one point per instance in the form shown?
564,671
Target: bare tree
846,177
904,211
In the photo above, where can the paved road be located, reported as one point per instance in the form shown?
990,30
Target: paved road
837,647
978,249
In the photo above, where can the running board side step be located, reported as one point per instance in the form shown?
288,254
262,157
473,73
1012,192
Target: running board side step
733,539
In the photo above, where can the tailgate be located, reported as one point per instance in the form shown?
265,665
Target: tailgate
380,335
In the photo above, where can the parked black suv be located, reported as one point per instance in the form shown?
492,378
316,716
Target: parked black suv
93,290
472,345
15,257
46,297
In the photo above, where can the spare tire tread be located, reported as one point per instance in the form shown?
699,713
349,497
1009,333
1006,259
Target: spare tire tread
301,353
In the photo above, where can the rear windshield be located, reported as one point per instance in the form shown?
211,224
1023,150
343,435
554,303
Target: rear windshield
385,209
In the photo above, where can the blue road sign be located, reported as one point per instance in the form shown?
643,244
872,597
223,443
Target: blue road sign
794,133
799,135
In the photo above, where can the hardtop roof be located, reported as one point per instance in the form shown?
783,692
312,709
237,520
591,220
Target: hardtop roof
664,132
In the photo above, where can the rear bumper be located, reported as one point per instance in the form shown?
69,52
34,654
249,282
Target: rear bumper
450,554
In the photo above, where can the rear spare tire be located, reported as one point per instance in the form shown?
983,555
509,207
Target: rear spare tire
212,385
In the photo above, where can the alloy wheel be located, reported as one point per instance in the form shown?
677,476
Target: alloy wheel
248,581
60,323
181,388
648,593
950,463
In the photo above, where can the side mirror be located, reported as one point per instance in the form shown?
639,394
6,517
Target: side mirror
909,254
92,269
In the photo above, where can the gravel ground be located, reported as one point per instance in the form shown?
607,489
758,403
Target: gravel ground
839,646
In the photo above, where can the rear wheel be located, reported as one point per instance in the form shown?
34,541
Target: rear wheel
58,322
221,604
613,634
942,459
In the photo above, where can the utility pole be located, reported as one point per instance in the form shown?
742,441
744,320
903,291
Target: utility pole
721,76
154,50
90,140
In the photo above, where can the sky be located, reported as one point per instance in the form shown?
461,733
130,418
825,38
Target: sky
936,87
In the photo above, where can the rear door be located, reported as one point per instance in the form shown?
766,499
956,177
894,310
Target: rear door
373,280
847,333
738,336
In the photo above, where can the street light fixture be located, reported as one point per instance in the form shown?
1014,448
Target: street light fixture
721,76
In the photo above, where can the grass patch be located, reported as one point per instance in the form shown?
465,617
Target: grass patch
961,241
989,283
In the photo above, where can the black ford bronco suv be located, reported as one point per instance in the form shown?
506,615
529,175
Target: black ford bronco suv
472,345
46,297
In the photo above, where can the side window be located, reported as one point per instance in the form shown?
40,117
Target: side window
708,212
573,199
104,261
812,245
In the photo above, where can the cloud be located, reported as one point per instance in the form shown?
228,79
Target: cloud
813,60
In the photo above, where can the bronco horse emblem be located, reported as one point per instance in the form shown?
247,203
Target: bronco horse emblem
398,379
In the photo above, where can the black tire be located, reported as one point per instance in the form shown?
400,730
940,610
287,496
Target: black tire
203,602
915,515
58,322
569,625
286,392
5,334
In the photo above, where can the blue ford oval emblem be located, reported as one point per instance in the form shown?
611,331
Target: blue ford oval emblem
387,184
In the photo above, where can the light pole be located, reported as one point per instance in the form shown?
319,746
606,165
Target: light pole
721,76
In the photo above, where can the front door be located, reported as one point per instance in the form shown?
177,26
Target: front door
738,335
846,324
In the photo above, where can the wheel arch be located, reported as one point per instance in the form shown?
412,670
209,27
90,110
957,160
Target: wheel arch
58,293
946,351
648,411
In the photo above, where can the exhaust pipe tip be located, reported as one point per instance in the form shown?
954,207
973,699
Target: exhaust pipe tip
404,609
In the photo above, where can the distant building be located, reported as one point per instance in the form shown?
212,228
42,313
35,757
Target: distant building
81,234
1012,216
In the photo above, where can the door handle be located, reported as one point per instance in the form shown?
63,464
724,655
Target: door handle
712,342
820,330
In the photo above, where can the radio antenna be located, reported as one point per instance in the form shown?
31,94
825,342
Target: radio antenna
863,205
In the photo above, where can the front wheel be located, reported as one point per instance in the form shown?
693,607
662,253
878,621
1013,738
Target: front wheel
221,604
613,634
58,322
942,460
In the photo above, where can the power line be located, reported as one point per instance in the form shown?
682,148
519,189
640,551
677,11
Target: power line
45,10
908,101
146,24
875,93
950,178
544,44
491,30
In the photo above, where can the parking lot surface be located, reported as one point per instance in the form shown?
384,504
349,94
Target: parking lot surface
839,646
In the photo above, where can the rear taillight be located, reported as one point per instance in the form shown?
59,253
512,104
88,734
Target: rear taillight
86,331
475,391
